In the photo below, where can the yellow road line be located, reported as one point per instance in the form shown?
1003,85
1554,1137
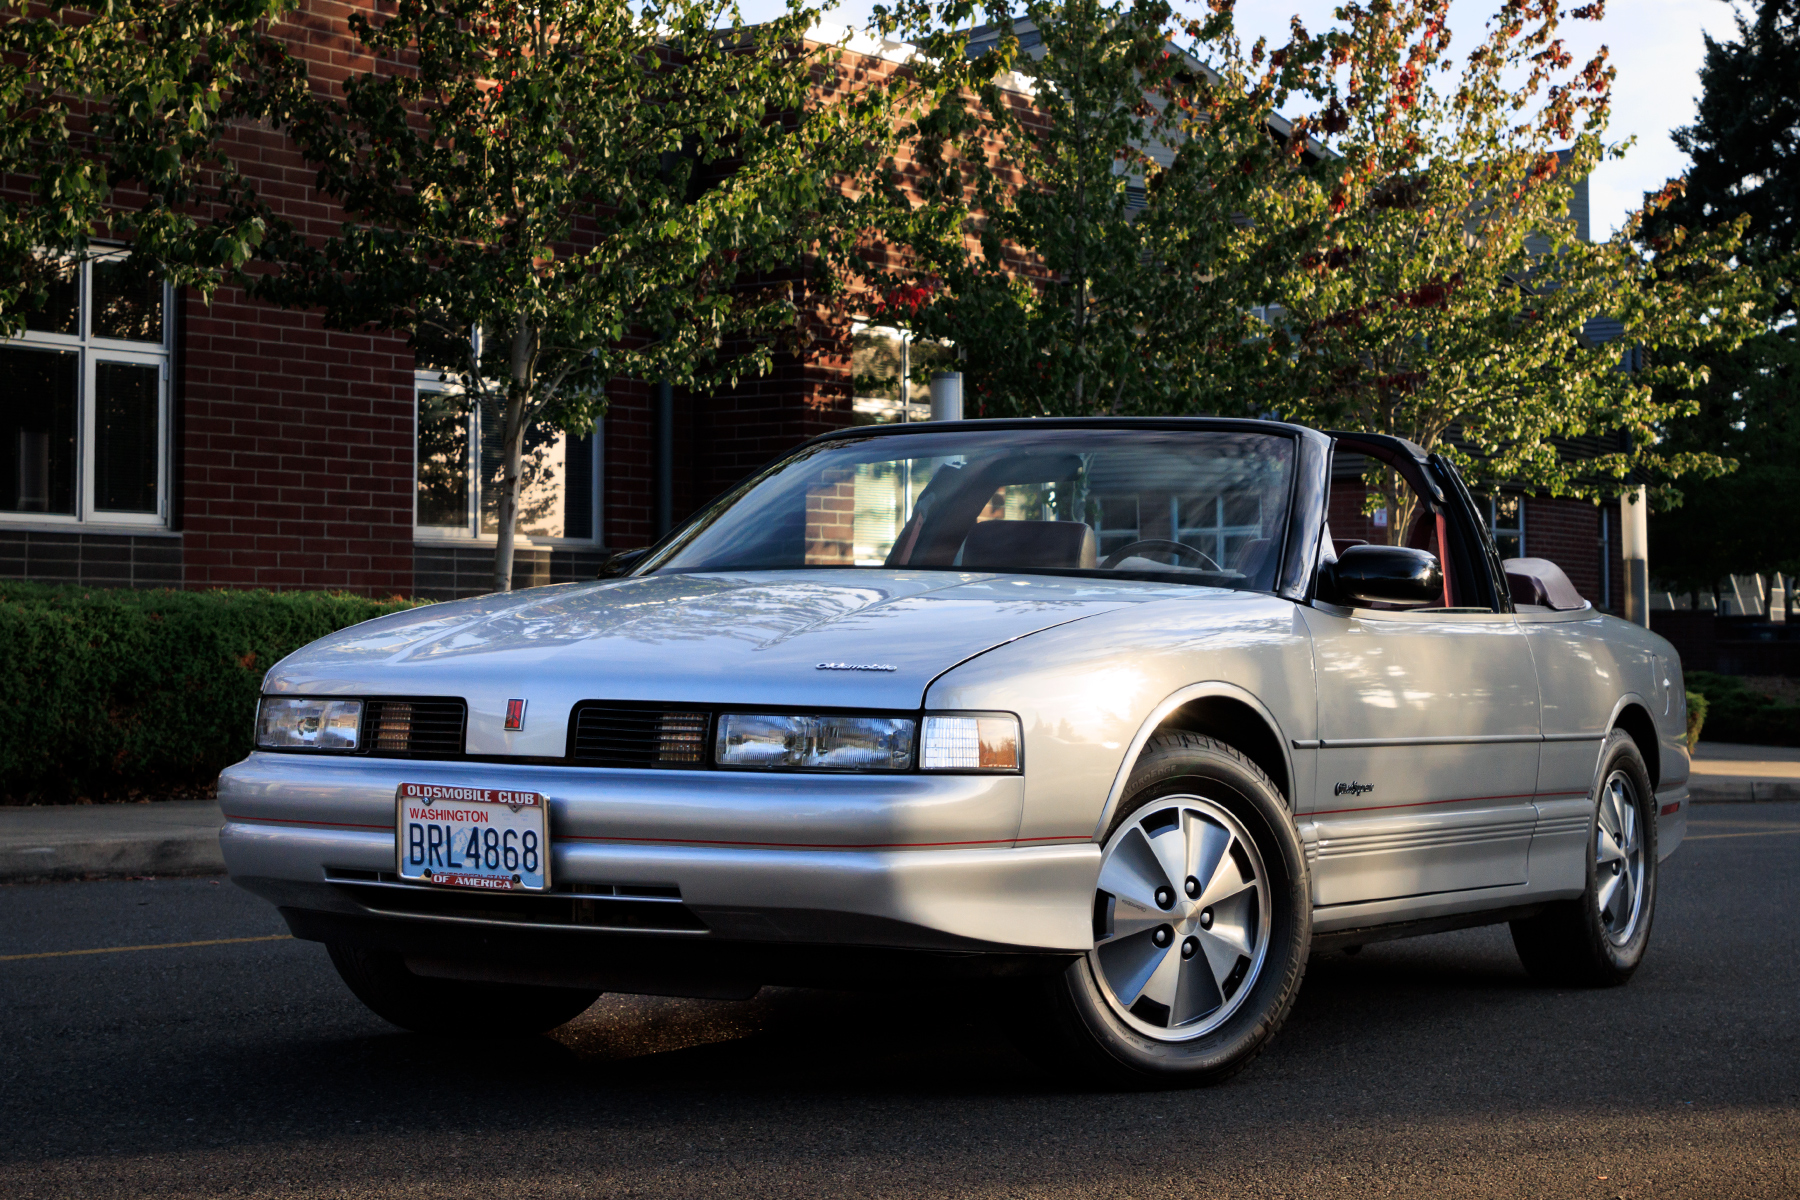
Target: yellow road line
273,937
1707,837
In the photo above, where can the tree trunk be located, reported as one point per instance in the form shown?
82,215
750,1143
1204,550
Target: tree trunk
1399,506
512,439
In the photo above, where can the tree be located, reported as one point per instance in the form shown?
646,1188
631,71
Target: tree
1083,248
1446,294
1421,275
1748,405
602,190
113,117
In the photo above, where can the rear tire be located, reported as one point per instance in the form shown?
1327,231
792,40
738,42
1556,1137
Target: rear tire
1187,982
1599,939
379,979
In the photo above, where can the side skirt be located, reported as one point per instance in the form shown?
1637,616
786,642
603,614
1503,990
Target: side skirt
1341,938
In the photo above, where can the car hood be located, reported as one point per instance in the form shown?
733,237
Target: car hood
858,637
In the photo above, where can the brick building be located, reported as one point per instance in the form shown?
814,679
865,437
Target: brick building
150,439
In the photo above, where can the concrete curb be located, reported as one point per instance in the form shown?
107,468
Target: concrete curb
1743,791
109,840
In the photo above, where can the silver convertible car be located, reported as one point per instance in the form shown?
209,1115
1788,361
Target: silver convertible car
1097,715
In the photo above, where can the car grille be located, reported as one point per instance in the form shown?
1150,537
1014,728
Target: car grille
414,728
604,735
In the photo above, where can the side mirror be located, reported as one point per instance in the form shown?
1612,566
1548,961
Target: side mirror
621,562
1383,575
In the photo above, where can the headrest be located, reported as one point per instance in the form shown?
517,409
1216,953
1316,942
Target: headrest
1540,581
1001,545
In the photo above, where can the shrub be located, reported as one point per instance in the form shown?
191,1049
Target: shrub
1736,711
1696,717
104,692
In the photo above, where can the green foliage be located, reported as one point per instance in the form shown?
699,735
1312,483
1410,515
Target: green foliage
1087,250
105,691
1741,143
1696,717
1409,240
1447,291
607,190
1747,406
1735,712
115,112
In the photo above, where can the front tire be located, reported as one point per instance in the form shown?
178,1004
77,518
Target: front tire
379,979
1202,926
1599,939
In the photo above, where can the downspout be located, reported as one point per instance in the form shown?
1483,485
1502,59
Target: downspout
664,474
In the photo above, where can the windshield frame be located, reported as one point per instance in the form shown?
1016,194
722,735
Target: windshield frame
1304,523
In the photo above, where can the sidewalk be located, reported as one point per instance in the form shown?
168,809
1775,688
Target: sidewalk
1724,773
71,841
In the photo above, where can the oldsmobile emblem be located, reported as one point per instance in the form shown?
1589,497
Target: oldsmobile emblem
856,667
1352,788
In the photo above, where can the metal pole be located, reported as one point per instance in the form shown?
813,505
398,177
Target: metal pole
1634,546
946,396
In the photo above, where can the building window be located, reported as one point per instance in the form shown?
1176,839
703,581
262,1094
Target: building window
881,358
1221,527
84,401
458,471
1506,521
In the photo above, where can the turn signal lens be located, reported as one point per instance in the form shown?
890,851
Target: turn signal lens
814,742
985,742
304,723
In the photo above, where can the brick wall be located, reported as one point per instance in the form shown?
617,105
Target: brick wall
831,521
295,461
1567,532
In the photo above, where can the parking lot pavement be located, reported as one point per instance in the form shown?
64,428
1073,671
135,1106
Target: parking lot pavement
241,1067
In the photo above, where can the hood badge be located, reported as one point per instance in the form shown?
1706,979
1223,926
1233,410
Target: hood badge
856,667
515,715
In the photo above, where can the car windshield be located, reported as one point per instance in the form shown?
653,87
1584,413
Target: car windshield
1194,506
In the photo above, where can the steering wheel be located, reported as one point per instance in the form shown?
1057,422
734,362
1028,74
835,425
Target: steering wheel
1178,548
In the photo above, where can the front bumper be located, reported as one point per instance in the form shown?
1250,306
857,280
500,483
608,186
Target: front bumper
923,862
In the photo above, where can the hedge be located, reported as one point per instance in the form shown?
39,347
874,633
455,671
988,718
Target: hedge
108,693
1735,712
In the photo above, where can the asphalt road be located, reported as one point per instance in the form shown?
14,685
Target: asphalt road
1422,1068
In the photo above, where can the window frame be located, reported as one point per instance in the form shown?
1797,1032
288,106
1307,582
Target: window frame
1496,531
907,411
469,534
92,350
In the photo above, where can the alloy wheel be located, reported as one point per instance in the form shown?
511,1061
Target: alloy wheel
1181,918
1619,860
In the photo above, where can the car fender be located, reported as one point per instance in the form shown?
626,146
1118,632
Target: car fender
1090,694
1162,712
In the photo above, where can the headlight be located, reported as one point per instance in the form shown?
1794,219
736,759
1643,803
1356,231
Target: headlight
982,742
818,742
303,723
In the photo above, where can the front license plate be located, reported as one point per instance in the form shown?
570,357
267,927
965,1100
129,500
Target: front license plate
472,837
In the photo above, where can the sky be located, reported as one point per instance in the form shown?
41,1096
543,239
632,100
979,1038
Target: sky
1657,46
